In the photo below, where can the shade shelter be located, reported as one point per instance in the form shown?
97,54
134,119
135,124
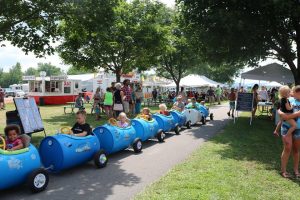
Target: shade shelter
194,80
270,72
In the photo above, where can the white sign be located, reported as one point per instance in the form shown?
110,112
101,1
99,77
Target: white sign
58,78
28,78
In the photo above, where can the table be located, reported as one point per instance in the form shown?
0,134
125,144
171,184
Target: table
265,108
69,105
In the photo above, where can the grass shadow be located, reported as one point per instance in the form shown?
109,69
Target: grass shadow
252,143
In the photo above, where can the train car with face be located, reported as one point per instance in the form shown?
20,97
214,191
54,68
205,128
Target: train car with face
63,151
22,166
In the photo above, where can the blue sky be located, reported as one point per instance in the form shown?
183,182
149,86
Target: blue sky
10,55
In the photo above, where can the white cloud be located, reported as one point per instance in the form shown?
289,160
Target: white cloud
10,55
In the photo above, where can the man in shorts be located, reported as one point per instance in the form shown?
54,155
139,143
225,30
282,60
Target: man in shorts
127,95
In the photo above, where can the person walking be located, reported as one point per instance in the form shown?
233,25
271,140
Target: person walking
2,95
118,97
127,91
255,99
211,95
96,104
154,95
138,99
218,94
183,95
108,102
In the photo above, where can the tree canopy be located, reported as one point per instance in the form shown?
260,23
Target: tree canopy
51,70
177,55
31,25
13,76
239,32
118,39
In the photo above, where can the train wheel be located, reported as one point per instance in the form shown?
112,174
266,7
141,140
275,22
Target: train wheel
100,159
211,116
38,180
177,130
137,146
203,120
161,136
189,124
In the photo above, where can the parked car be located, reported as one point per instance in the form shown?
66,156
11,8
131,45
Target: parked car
19,93
9,92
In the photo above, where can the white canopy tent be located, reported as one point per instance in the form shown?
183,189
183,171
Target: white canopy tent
271,72
194,80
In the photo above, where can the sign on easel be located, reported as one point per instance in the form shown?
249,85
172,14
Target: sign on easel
30,117
244,103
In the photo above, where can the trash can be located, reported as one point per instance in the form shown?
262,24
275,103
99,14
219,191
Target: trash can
41,101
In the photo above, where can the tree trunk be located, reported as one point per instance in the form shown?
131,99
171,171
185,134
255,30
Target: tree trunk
177,87
118,75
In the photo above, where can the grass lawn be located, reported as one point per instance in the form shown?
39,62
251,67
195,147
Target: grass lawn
242,162
54,118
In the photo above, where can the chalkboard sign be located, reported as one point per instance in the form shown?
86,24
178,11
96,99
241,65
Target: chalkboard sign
29,114
244,102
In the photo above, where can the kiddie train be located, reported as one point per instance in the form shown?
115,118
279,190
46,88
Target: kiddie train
32,166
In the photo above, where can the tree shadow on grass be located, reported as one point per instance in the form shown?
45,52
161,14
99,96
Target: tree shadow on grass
90,183
252,143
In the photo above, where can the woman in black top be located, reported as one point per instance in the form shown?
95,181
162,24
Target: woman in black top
118,99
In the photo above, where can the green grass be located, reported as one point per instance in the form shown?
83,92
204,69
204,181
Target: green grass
54,118
242,162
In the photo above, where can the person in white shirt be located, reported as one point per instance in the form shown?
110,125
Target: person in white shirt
263,94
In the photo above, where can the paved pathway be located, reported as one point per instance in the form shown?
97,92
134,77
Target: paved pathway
126,173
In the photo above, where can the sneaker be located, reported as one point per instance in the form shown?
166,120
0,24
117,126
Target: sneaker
228,114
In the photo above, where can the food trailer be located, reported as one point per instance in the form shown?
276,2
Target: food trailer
53,90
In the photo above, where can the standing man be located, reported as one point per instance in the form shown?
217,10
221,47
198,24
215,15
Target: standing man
211,95
127,96
218,94
154,94
2,95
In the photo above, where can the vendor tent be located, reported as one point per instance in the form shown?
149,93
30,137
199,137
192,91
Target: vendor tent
271,72
194,80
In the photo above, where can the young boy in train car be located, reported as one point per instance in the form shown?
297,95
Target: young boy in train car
81,128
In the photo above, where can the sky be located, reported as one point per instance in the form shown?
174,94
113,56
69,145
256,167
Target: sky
10,55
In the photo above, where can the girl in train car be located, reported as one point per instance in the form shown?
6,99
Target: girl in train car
13,141
146,114
122,120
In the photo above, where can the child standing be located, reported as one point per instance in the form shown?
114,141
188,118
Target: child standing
232,99
285,107
13,142
81,128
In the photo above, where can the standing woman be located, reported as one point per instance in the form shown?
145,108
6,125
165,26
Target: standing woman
138,99
108,102
255,99
96,105
118,100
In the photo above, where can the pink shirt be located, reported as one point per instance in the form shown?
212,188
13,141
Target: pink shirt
12,144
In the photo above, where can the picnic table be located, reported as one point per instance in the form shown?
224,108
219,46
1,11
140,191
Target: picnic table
264,107
70,105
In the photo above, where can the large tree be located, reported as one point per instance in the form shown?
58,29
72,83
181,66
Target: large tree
221,73
178,55
32,24
237,32
127,42
14,76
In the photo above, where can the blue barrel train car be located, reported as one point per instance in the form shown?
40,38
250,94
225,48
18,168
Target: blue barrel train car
146,129
114,139
22,166
166,123
180,119
62,151
205,113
